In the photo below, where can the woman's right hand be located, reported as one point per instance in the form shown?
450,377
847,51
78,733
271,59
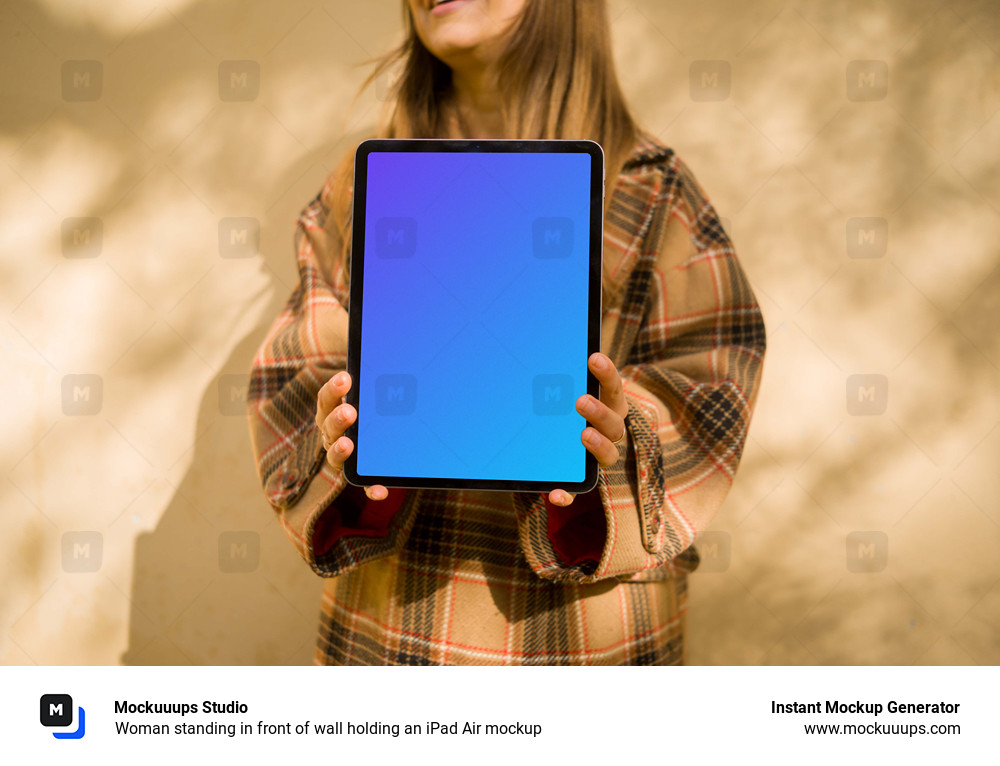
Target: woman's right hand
333,417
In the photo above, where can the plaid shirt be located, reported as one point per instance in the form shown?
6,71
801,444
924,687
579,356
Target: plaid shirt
474,577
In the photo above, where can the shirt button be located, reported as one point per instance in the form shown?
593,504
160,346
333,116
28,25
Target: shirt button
289,478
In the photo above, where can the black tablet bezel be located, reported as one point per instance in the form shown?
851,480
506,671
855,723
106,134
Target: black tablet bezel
370,146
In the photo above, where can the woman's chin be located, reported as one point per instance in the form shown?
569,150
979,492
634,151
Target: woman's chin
457,48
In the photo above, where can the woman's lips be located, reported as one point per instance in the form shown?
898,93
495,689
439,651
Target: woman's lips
441,7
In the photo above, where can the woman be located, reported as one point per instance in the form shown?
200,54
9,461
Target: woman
465,577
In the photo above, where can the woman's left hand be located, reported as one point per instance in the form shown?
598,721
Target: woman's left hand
607,418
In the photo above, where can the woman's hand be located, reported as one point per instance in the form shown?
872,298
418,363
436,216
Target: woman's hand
333,417
607,416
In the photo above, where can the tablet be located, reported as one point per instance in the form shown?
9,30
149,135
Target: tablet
475,302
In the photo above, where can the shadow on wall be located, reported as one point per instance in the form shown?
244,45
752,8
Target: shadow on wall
216,582
221,585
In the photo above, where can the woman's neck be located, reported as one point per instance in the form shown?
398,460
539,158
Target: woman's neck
477,103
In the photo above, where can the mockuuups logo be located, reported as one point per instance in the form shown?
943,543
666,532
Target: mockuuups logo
56,710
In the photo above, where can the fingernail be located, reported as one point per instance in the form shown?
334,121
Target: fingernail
599,362
340,378
589,407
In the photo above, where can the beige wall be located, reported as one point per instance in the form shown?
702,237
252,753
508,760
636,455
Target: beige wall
167,326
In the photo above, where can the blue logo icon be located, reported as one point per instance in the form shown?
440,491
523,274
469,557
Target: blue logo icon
57,710
395,394
552,237
395,237
552,394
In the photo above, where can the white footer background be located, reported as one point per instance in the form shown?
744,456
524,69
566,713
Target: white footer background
595,715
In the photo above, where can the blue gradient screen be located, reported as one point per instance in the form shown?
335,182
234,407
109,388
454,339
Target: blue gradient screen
474,316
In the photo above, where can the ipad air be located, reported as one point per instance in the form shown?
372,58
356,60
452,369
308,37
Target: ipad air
475,303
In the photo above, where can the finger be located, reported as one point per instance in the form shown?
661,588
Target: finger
330,394
339,451
560,497
601,417
338,421
377,492
612,393
599,446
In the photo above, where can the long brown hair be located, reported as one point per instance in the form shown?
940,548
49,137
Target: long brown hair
556,75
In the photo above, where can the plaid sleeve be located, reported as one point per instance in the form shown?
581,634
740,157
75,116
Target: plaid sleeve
691,370
332,529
